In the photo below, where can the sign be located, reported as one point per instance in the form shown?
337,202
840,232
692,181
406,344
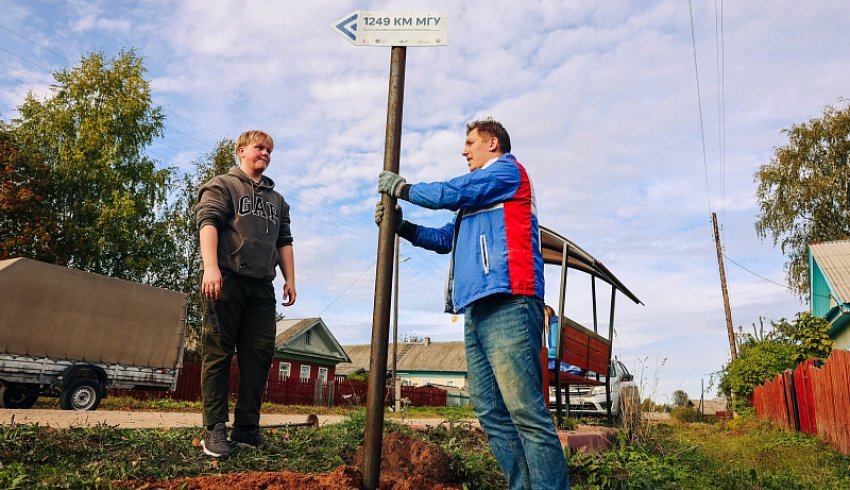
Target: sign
397,28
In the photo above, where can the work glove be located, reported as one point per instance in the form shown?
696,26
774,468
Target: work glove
391,183
379,215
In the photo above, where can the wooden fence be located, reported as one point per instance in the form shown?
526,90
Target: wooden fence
811,399
292,391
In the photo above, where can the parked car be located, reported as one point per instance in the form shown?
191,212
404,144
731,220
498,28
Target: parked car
72,334
591,399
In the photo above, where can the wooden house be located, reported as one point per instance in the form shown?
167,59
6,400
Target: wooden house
829,285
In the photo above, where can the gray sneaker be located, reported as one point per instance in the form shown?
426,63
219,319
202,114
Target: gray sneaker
215,443
250,437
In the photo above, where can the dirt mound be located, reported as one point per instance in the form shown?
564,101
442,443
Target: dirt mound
342,478
407,464
406,458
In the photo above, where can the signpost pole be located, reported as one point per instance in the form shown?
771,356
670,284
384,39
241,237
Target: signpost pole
383,281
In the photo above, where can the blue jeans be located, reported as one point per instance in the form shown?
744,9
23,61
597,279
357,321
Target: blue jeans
503,340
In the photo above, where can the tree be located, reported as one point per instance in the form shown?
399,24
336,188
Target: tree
102,190
680,398
786,345
811,335
26,224
804,192
182,272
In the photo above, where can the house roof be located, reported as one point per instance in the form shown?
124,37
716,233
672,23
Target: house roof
710,407
412,356
833,258
292,332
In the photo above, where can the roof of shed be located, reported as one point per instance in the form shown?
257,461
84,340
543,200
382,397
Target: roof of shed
554,245
833,258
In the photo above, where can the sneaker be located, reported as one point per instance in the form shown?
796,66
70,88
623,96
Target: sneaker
215,443
250,437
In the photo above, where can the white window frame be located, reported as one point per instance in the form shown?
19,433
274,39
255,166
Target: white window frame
308,338
305,368
284,370
323,374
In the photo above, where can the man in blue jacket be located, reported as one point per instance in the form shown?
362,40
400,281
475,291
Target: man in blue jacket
496,281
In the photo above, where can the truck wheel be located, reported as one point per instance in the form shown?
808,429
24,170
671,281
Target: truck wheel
18,395
81,394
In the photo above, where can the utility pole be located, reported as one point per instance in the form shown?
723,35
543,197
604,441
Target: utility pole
732,349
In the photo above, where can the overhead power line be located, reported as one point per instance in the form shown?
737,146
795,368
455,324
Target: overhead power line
758,275
699,105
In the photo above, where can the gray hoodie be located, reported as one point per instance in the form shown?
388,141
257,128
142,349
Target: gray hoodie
252,222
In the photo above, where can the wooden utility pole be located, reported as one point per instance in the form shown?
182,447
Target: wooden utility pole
732,349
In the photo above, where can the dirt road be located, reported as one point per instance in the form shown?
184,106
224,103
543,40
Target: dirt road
139,420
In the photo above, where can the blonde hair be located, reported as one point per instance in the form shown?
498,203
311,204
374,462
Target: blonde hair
254,136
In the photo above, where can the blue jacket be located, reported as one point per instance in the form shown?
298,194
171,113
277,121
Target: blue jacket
494,238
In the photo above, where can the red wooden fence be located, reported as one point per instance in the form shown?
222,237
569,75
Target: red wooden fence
811,399
291,391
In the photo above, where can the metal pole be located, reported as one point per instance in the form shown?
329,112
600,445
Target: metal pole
383,279
396,386
593,294
565,250
610,346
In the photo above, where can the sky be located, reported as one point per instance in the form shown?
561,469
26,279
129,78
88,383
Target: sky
633,125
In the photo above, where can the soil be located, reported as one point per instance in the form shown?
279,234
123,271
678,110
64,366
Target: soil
406,464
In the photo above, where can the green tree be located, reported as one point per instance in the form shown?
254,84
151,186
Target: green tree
811,337
103,191
26,224
804,192
182,273
786,345
680,398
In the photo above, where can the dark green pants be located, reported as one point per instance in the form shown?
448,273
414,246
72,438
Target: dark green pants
242,319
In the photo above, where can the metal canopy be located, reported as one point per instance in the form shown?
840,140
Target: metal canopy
553,246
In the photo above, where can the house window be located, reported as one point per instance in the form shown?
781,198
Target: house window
308,338
305,373
323,374
284,369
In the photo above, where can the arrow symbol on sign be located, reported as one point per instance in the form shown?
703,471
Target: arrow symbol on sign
347,26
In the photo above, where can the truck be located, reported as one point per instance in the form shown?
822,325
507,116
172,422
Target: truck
592,400
74,335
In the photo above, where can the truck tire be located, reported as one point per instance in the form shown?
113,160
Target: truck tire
81,394
18,395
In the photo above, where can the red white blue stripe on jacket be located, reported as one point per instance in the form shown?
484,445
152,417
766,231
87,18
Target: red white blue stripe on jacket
495,236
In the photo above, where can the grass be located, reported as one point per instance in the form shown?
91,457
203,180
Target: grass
32,456
739,454
748,454
42,457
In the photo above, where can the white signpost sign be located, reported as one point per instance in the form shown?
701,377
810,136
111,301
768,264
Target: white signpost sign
396,28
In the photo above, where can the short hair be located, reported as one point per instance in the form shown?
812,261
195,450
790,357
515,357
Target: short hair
254,136
494,128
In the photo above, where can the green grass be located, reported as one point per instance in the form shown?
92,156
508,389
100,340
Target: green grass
42,457
740,454
748,454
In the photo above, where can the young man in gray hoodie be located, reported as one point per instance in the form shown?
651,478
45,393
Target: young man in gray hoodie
244,233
